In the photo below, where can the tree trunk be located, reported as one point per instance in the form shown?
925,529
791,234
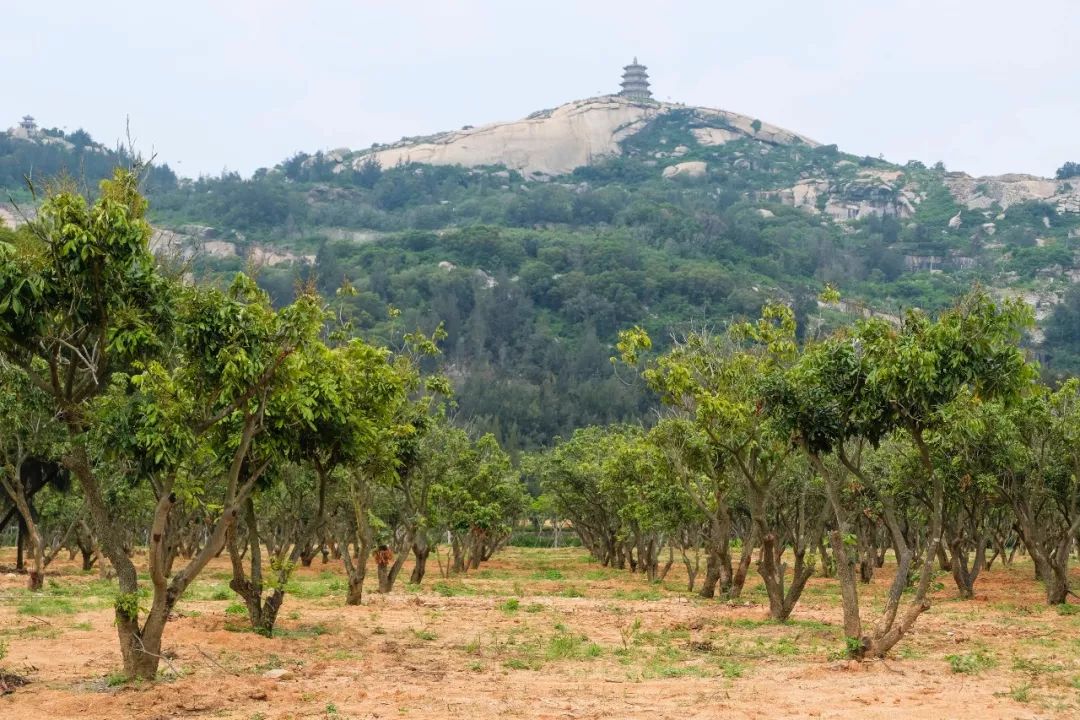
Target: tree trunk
828,562
138,661
964,575
262,613
718,557
29,534
738,579
420,550
781,602
392,572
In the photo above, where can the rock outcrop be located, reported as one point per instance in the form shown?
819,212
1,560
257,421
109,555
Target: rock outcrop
554,142
872,192
690,169
980,193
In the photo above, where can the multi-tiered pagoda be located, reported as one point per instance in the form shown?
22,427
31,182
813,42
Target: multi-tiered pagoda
635,82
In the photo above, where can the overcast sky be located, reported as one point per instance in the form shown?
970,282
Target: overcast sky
987,86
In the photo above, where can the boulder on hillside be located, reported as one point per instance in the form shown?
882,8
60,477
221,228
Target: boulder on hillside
691,169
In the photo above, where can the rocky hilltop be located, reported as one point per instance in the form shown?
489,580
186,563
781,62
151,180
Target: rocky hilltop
552,143
555,142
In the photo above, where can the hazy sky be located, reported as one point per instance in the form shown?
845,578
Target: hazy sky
987,86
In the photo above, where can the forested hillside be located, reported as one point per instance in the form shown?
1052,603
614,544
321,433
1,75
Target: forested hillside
533,276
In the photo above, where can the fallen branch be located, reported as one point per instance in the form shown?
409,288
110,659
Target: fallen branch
215,662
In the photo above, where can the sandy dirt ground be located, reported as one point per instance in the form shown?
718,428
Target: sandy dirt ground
541,634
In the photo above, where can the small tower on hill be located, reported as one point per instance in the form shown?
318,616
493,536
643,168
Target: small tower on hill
635,82
28,124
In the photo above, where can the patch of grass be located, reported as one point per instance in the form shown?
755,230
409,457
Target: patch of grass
812,625
1035,667
37,631
547,574
209,591
327,584
1021,693
85,625
451,589
303,631
1068,609
571,592
57,590
534,608
569,646
236,609
600,574
272,662
661,669
523,663
45,605
907,652
647,594
971,663
424,635
731,669
784,647
116,679
510,606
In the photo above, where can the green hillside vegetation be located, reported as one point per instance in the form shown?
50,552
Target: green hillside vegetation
533,280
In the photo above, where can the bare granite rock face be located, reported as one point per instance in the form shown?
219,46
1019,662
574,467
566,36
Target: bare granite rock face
873,192
554,142
980,193
692,169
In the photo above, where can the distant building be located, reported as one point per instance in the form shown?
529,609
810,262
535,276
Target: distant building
28,124
635,82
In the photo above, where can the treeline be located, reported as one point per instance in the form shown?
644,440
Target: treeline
198,420
533,279
931,439
74,156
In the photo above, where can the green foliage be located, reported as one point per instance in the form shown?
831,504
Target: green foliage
564,645
971,663
127,605
1068,170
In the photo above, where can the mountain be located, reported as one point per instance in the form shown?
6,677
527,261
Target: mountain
556,142
536,241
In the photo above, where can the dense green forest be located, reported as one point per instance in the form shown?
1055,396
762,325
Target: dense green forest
533,280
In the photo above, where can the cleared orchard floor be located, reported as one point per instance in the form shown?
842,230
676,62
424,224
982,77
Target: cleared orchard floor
540,634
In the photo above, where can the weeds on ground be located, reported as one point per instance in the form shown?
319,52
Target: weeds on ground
971,663
45,605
